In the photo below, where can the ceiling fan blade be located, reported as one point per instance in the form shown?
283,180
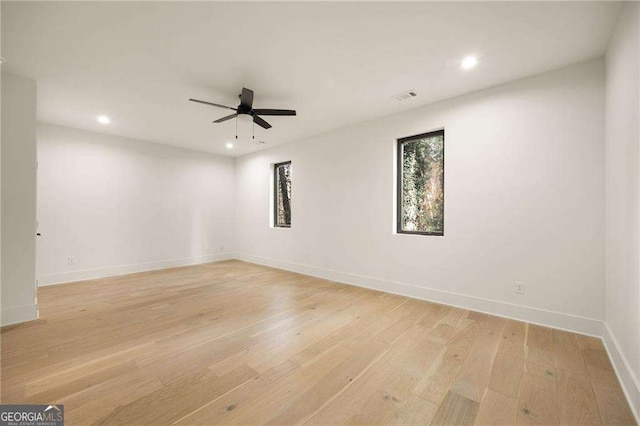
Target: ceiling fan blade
212,104
274,111
228,117
246,98
260,122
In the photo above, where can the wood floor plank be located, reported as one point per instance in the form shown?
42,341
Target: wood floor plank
353,334
539,351
612,404
233,342
98,401
567,355
174,368
264,404
57,390
435,384
375,396
537,402
300,406
415,411
456,410
217,410
171,403
473,377
509,362
497,409
576,401
598,358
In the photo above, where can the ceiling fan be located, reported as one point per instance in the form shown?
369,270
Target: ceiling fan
246,108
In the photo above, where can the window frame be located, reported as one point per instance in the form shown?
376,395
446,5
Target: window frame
275,195
399,151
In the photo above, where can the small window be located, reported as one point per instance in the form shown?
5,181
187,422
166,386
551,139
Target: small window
421,184
282,195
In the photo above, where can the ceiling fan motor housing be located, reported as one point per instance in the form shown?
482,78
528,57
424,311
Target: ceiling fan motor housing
245,109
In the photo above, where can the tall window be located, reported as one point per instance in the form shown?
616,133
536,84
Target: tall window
421,184
282,195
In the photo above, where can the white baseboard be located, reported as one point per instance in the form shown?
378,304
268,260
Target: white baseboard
573,323
558,320
90,274
18,314
630,383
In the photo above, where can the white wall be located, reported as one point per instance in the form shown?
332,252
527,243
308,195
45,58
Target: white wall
0,174
18,199
623,200
119,205
524,200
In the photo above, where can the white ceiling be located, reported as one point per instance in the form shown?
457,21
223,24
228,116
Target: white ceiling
336,63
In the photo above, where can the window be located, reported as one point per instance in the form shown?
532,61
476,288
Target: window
421,184
282,195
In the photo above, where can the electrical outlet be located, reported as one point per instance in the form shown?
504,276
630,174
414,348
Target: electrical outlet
221,247
71,260
520,287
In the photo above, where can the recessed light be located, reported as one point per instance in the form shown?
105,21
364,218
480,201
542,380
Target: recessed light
103,119
229,145
469,62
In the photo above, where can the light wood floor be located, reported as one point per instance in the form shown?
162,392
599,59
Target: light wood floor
238,343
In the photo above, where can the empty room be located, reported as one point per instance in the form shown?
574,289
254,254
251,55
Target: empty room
325,213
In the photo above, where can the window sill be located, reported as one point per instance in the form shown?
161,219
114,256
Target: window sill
419,234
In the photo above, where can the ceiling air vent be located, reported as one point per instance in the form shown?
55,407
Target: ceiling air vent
405,95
